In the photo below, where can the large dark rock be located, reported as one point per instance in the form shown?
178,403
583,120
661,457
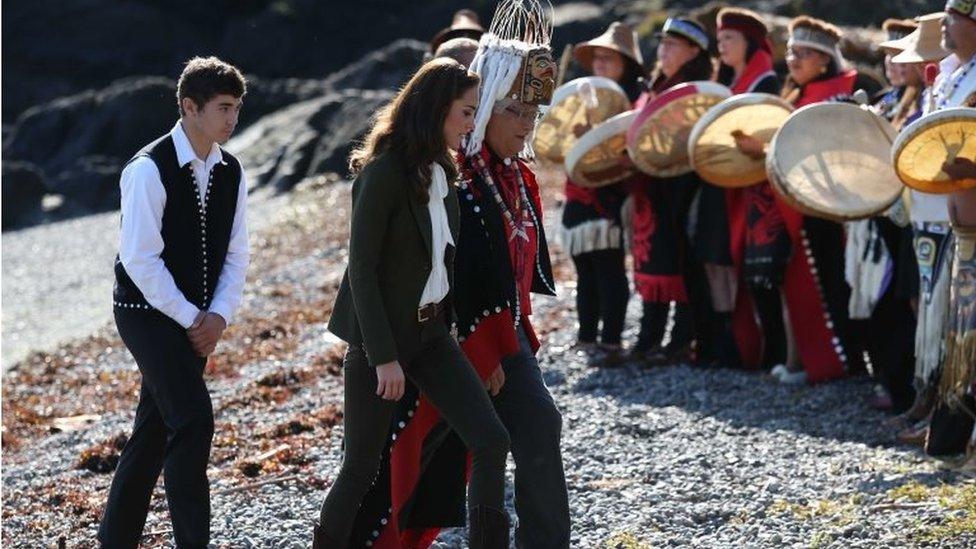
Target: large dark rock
266,95
23,189
53,48
387,68
90,185
308,138
81,142
112,123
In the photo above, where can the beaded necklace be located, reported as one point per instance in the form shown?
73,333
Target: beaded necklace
951,85
518,229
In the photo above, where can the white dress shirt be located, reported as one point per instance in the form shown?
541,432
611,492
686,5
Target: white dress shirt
437,283
141,241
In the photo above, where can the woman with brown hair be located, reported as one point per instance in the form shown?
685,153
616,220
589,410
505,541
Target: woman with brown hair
395,302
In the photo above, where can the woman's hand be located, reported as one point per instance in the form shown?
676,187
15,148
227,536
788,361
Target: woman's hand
749,145
495,381
390,383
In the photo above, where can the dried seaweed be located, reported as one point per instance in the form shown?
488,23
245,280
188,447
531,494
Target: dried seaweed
103,457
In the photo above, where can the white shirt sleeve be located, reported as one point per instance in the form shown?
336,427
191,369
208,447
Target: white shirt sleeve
230,285
141,242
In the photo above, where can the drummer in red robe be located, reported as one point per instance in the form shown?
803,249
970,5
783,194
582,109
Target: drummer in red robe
746,66
791,259
664,269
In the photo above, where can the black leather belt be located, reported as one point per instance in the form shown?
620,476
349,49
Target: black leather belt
430,311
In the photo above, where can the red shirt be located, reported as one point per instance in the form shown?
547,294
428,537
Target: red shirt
522,248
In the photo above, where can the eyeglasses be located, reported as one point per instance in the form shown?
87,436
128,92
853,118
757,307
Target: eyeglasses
523,114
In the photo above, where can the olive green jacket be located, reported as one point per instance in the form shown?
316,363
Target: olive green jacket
389,262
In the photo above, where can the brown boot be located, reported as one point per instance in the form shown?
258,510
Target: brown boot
487,528
321,540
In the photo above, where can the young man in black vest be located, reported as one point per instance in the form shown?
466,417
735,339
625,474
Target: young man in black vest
179,276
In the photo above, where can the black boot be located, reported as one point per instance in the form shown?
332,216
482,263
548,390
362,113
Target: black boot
487,528
652,325
680,349
725,351
321,540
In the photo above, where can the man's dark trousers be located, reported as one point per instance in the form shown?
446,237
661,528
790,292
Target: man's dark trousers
173,430
534,425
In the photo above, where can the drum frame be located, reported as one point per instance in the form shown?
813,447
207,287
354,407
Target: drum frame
773,170
914,130
646,117
716,113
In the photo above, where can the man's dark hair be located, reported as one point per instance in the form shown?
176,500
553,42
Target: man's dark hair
204,78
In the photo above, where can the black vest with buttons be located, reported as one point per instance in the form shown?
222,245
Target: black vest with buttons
195,233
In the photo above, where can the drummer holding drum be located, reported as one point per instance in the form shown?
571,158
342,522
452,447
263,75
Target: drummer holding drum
790,255
664,270
959,32
592,229
746,66
936,157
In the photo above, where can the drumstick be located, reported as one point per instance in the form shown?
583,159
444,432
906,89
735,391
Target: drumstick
587,94
564,64
861,97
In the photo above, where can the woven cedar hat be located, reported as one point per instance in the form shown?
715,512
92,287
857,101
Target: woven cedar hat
897,31
925,44
619,37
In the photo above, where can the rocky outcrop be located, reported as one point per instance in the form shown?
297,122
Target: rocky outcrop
113,123
87,44
23,189
80,143
384,69
307,138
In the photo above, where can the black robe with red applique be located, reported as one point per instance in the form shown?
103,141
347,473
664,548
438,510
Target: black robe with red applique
492,289
658,223
659,242
776,246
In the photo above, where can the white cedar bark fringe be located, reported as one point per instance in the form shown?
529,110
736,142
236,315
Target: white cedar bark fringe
591,236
